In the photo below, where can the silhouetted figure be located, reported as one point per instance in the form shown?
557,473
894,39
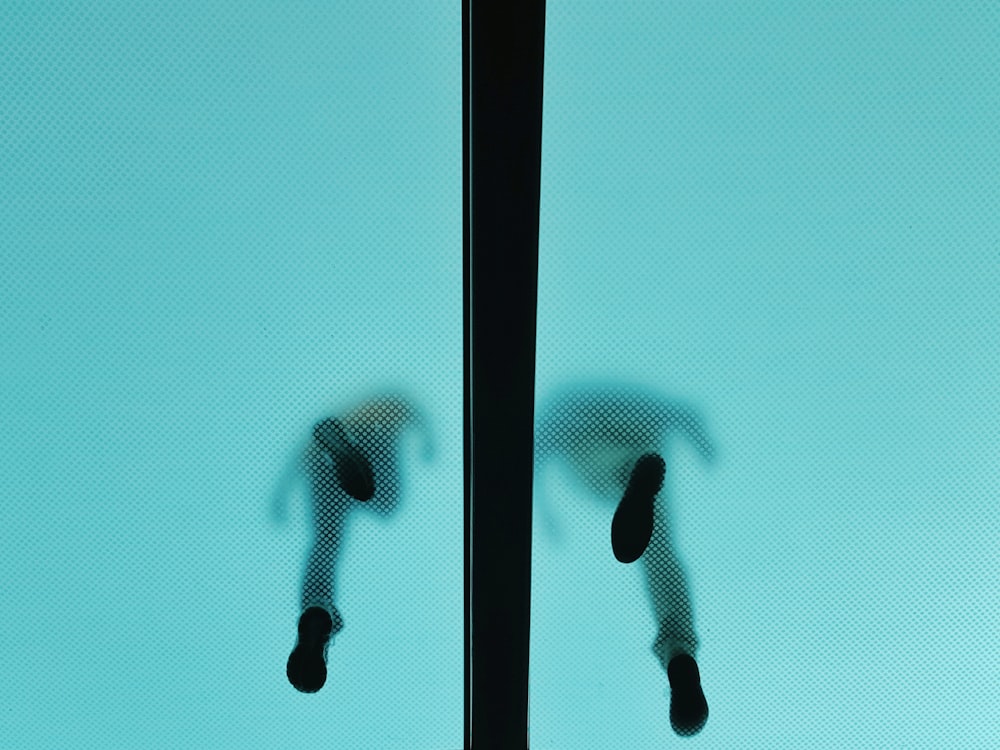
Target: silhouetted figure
348,460
611,437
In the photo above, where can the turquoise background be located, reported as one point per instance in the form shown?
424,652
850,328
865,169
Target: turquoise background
788,216
221,221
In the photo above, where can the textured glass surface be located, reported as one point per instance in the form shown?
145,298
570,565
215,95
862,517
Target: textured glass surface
223,225
781,220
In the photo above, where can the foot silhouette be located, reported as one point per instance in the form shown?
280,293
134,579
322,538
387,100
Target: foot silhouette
688,707
306,668
354,471
632,526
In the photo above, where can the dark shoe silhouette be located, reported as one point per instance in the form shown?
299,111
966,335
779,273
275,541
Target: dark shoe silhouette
632,526
306,668
354,471
688,707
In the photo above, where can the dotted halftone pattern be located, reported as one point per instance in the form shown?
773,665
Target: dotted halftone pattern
366,442
200,205
600,432
798,215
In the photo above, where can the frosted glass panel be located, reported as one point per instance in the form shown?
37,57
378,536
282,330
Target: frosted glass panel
230,374
767,350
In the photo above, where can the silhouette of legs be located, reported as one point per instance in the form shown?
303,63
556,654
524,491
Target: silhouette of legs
306,668
610,436
632,525
631,534
350,458
676,643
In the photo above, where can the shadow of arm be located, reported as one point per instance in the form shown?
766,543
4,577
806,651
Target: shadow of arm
278,509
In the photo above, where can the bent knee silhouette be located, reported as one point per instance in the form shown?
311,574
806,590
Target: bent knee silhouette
632,525
351,457
354,470
612,439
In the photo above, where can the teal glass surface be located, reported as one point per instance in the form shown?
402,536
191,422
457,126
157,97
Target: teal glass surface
220,225
783,217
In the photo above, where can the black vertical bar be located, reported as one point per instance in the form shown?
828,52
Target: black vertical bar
503,108
467,362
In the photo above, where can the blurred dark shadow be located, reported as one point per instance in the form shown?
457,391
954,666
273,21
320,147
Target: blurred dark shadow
350,462
614,440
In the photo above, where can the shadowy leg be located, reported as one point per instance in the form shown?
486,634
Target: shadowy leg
306,668
632,525
353,458
676,643
317,586
354,472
